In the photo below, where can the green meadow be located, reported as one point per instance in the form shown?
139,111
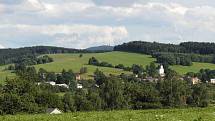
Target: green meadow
74,62
195,114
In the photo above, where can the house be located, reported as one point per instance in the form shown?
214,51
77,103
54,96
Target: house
78,77
54,84
151,79
161,71
212,81
79,86
53,111
195,80
63,85
51,83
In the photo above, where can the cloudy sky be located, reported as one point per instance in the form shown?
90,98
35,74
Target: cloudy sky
85,23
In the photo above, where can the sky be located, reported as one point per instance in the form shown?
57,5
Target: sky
86,23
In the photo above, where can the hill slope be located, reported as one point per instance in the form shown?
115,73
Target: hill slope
74,62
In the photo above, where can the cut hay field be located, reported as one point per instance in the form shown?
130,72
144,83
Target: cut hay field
72,61
196,114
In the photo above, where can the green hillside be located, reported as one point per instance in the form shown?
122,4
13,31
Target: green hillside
206,114
74,62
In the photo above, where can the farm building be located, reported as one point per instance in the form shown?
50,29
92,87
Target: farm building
78,77
79,86
53,111
195,80
212,81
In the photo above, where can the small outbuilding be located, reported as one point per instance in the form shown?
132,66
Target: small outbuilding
53,111
78,77
212,81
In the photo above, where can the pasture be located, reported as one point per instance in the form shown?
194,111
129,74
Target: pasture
74,62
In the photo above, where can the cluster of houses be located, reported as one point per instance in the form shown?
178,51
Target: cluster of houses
161,72
78,78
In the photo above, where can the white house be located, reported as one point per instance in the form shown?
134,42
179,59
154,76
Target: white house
51,83
79,86
195,80
161,71
63,85
54,84
53,111
212,81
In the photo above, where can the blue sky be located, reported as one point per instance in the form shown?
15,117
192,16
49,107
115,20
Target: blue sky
85,23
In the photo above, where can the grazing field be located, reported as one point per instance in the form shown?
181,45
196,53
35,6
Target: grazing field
196,114
194,68
4,73
74,62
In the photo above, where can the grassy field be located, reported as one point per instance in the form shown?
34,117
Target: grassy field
194,68
4,74
72,61
206,114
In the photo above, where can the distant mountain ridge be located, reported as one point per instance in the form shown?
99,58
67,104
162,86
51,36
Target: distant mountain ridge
101,48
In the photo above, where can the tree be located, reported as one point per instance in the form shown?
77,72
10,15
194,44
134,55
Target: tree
83,70
152,69
137,69
199,95
81,55
214,58
99,77
51,77
174,92
112,93
68,102
93,61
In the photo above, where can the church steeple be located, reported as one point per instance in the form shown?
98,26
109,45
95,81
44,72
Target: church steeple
161,71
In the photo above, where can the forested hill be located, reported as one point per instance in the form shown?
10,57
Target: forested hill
8,56
150,48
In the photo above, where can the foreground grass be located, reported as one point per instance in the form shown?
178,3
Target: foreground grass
206,114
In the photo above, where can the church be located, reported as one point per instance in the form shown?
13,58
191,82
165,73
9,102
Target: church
161,71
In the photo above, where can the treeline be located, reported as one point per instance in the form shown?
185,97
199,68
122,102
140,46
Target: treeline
182,58
24,95
182,54
24,61
8,56
96,62
33,60
151,47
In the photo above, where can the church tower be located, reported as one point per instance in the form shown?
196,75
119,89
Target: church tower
161,71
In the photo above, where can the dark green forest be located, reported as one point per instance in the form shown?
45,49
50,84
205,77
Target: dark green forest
8,56
171,54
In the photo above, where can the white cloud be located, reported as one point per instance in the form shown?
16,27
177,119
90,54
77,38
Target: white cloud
73,36
83,23
1,46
